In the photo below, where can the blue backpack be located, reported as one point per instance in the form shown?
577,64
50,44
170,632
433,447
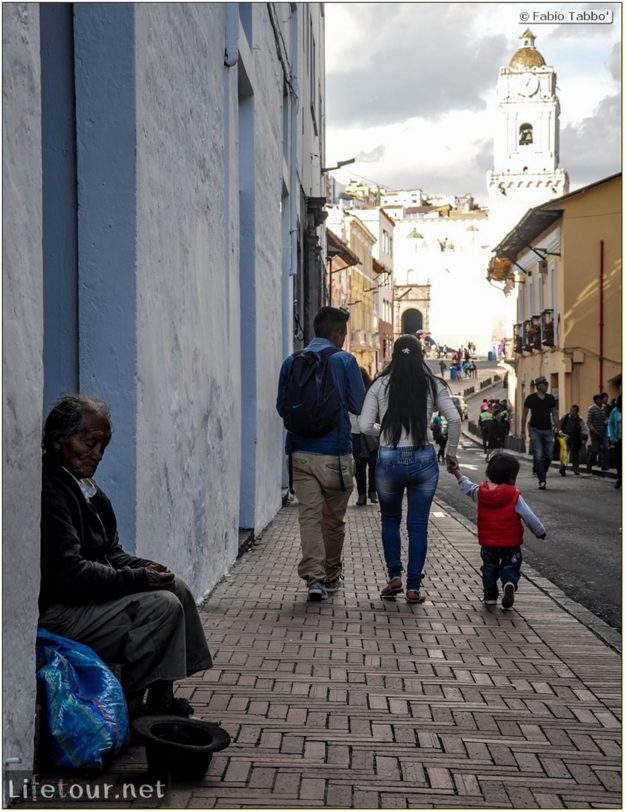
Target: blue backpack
312,403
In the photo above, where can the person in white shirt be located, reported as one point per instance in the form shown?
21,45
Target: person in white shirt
398,408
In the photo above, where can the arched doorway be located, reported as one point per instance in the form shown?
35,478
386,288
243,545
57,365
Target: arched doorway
411,321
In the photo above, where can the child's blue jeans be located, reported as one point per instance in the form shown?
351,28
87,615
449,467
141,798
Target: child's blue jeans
503,563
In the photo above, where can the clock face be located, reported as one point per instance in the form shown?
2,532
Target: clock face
528,85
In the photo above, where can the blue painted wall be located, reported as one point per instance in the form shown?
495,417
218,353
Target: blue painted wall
60,250
104,41
247,214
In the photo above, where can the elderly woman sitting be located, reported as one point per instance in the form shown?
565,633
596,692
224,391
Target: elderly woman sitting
129,610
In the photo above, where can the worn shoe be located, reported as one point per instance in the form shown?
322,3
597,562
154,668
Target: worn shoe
394,587
562,471
178,706
334,583
373,497
508,596
414,596
542,485
362,500
490,601
317,591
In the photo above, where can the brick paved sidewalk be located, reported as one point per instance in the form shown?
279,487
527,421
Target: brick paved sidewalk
357,702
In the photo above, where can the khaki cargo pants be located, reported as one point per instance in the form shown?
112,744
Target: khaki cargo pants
321,505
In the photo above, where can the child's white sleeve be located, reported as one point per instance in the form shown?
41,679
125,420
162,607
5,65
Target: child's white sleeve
529,517
468,487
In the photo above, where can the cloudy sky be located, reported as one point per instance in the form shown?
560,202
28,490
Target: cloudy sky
411,90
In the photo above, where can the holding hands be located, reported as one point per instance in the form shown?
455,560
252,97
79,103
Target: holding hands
452,465
159,575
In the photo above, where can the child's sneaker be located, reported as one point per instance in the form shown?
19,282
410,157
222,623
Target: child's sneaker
508,596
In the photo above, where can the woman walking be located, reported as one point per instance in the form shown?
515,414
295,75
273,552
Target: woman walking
398,407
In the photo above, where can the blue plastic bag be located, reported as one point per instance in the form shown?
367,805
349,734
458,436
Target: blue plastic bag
86,711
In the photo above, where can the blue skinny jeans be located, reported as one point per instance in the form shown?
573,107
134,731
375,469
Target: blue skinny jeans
414,470
542,450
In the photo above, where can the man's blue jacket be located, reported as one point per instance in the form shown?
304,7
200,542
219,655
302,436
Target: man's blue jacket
351,388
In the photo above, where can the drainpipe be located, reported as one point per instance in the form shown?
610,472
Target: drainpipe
231,54
330,282
601,316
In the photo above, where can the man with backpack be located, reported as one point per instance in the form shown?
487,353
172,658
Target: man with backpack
318,388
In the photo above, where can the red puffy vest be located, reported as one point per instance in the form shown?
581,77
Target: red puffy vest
498,524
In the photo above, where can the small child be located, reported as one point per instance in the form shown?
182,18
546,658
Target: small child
500,512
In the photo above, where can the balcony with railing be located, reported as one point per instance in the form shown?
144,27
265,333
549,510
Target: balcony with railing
527,332
517,337
548,337
535,335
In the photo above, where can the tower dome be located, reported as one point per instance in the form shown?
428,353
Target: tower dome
527,56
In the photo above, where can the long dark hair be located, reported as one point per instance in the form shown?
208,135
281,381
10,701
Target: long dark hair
409,380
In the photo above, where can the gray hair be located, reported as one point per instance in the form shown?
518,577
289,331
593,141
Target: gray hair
67,416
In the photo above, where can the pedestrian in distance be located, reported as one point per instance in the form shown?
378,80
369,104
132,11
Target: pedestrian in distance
439,433
504,417
576,433
318,387
484,421
365,451
496,429
606,402
398,408
543,410
443,367
597,421
614,436
501,513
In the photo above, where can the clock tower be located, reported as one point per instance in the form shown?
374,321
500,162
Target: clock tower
527,139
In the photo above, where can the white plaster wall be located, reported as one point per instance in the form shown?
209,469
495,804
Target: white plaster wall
188,399
268,157
189,384
22,374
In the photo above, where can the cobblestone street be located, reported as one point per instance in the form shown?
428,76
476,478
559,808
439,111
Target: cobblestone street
357,702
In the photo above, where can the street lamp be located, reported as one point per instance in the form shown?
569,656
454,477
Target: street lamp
339,164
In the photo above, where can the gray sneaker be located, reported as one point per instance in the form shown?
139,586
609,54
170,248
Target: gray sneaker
334,583
316,591
508,596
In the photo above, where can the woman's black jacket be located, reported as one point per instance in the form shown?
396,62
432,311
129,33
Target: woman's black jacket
82,561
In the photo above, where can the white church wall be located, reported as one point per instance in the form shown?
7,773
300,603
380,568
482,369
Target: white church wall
22,377
188,398
452,258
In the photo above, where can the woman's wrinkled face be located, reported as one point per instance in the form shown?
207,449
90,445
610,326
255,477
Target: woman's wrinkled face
83,451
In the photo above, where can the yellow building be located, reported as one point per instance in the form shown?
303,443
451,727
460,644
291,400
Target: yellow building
565,258
363,336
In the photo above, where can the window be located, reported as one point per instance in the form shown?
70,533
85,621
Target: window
526,134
